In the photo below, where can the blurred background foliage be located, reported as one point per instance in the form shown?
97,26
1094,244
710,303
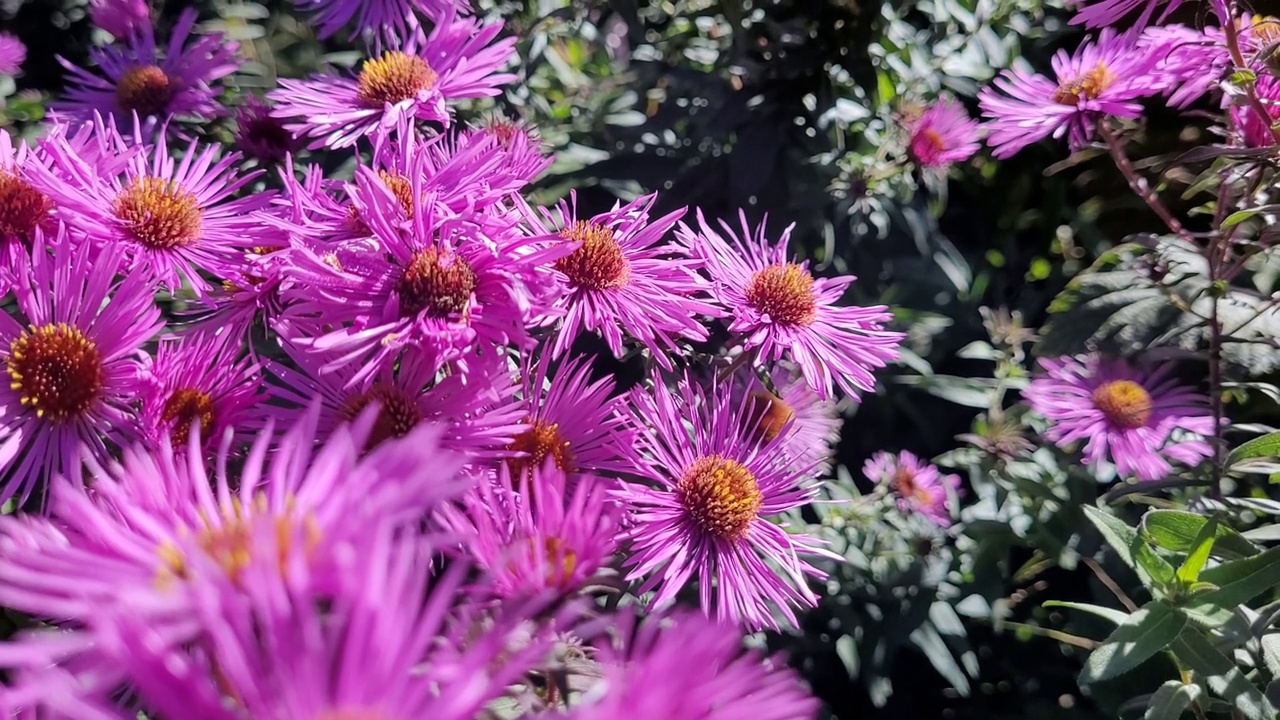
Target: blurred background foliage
788,109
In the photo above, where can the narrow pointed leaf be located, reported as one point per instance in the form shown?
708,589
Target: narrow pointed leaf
1171,700
1189,571
1222,676
1142,635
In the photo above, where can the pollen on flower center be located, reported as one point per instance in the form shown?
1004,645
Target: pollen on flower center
540,441
159,213
1124,403
56,370
393,78
145,89
1089,85
785,294
599,264
437,283
720,496
768,414
904,483
237,538
22,207
398,412
401,188
183,408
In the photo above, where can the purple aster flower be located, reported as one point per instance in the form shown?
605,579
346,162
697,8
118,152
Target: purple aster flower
575,421
942,134
537,532
394,18
788,407
780,310
138,78
1189,62
1137,416
121,18
705,517
419,79
261,136
12,54
1102,77
199,377
622,278
1104,13
687,667
73,357
917,485
26,213
1252,131
174,218
436,282
474,410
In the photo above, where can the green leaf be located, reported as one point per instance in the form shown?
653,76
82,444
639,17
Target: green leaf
1266,446
1143,634
1178,530
1169,702
1238,217
1120,536
1239,581
1106,613
1221,675
1159,569
1189,570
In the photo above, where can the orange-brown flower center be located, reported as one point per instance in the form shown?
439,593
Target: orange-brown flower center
159,213
1089,86
768,414
599,263
145,89
904,483
393,78
720,496
1124,403
785,293
401,188
437,283
22,207
540,441
183,408
56,370
398,412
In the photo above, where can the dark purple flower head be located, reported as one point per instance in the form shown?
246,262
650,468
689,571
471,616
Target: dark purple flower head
261,136
138,78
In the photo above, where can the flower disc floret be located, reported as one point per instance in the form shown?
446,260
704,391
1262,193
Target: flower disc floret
22,207
392,78
184,407
146,90
784,292
56,370
159,213
1124,402
398,412
721,496
437,283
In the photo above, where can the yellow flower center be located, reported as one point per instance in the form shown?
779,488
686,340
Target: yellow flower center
392,78
183,408
56,370
785,294
1125,403
159,213
720,496
234,540
599,263
145,89
540,441
1089,85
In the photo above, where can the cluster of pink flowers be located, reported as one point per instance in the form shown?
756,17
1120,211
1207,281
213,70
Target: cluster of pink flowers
359,467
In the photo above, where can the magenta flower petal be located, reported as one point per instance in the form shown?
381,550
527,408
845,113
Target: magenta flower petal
917,485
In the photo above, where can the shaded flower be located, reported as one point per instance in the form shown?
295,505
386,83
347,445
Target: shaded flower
138,77
780,310
73,357
1104,13
1138,416
261,136
917,485
173,218
621,278
787,407
1103,77
26,212
121,18
706,515
12,54
199,377
417,79
536,531
942,134
686,667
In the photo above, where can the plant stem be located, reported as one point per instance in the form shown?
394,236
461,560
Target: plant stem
1138,184
1237,58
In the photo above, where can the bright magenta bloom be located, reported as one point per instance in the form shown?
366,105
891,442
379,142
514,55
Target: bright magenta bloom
173,218
1190,62
788,408
394,18
1138,417
1251,130
780,310
12,54
73,357
138,77
686,667
200,377
705,516
417,79
536,531
121,18
26,213
1103,77
917,485
942,134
